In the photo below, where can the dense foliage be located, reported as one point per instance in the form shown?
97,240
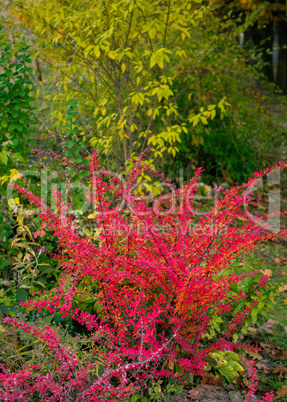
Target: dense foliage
152,73
16,129
122,286
162,293
15,104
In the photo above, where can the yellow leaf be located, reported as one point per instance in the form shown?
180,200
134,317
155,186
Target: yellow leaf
92,216
15,175
203,120
112,55
4,179
152,33
97,51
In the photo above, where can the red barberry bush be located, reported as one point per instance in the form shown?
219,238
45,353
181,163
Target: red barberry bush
157,286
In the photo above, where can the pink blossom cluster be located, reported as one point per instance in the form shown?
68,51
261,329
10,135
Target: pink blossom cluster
253,387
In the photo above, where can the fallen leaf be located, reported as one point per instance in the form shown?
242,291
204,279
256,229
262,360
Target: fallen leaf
255,355
266,345
262,366
279,370
275,353
209,378
266,327
209,387
263,328
252,329
283,288
267,272
282,391
277,261
244,362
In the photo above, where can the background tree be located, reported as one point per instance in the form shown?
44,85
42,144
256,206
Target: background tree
153,73
269,17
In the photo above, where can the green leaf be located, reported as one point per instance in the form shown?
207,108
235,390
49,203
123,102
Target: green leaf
263,312
261,304
4,123
21,295
11,128
235,337
269,305
19,127
8,55
227,372
233,356
4,157
8,47
40,283
254,313
236,366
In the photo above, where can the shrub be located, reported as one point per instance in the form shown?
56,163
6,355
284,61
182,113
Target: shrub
16,131
145,289
167,74
16,109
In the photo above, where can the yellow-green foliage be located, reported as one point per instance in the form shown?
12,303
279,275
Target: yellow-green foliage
225,363
120,59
